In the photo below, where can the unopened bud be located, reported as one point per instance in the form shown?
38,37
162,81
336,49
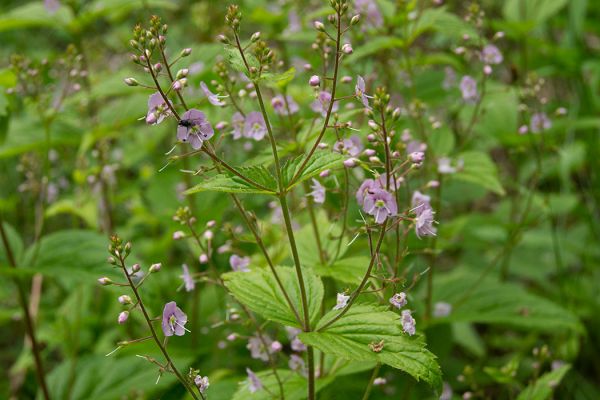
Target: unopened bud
182,73
185,52
314,81
124,299
319,26
105,281
131,82
416,157
136,267
157,67
203,259
350,163
112,260
347,48
255,36
324,174
355,20
223,39
123,317
155,267
208,234
370,152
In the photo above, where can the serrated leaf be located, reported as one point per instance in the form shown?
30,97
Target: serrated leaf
480,170
319,162
234,59
294,386
278,80
229,183
347,270
507,304
350,337
543,388
377,44
259,290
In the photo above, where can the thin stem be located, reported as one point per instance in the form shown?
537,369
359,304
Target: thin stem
370,385
29,326
153,332
162,93
329,108
364,281
311,372
315,226
168,68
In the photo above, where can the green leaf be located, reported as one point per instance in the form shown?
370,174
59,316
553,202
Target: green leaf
543,388
259,290
319,162
235,60
347,270
507,304
33,15
375,45
480,170
229,183
294,386
350,337
537,11
279,80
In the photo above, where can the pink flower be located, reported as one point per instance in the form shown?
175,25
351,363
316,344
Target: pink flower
239,264
321,105
408,322
158,110
213,99
194,128
468,87
318,192
173,320
380,204
359,91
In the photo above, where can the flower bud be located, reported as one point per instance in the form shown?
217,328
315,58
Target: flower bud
416,157
135,268
105,281
223,39
350,163
123,317
371,137
523,129
111,260
155,267
396,113
255,36
346,79
276,346
347,48
373,125
185,52
178,235
487,69
323,145
131,82
370,152
324,174
208,234
319,26
355,20
433,184
314,81
124,299
182,73
203,259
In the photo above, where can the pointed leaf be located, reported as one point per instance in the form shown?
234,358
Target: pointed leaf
319,162
230,183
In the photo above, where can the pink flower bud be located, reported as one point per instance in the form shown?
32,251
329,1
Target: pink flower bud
523,129
487,69
346,79
158,67
211,223
124,299
131,81
370,152
155,267
178,235
314,81
433,184
307,67
319,26
177,86
203,259
371,137
185,52
350,163
123,317
231,337
324,174
347,48
276,346
105,281
135,267
416,157
208,234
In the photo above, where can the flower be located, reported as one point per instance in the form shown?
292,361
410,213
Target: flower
445,166
408,322
254,382
370,9
321,104
257,348
201,383
417,157
351,146
449,78
380,204
173,320
194,128
52,6
424,222
123,317
177,235
254,126
342,301
491,55
239,264
415,146
539,122
442,309
212,98
347,48
158,110
398,300
314,81
237,122
359,91
296,363
468,87
284,106
420,200
318,192
124,299
379,381
188,281
297,345
276,347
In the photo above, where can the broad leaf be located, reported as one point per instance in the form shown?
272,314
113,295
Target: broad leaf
347,270
350,337
536,11
278,80
230,183
319,162
259,290
480,170
294,386
543,388
235,60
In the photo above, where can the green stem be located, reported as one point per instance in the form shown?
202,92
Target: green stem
315,226
370,385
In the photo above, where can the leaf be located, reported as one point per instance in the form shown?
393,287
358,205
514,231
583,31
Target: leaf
294,386
235,60
319,162
259,290
329,234
350,336
507,304
543,388
229,183
34,14
375,45
279,80
480,170
347,270
537,11
87,211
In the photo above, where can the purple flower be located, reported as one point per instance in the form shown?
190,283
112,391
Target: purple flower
297,345
321,105
341,301
380,204
408,322
212,98
123,316
188,281
194,128
468,87
257,348
359,91
201,383
239,264
441,309
370,10
254,383
237,122
318,192
417,157
157,109
173,320
379,381
424,221
445,166
254,126
539,122
351,146
381,182
52,6
449,78
398,300
296,363
292,332
414,146
419,201
491,55
280,106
